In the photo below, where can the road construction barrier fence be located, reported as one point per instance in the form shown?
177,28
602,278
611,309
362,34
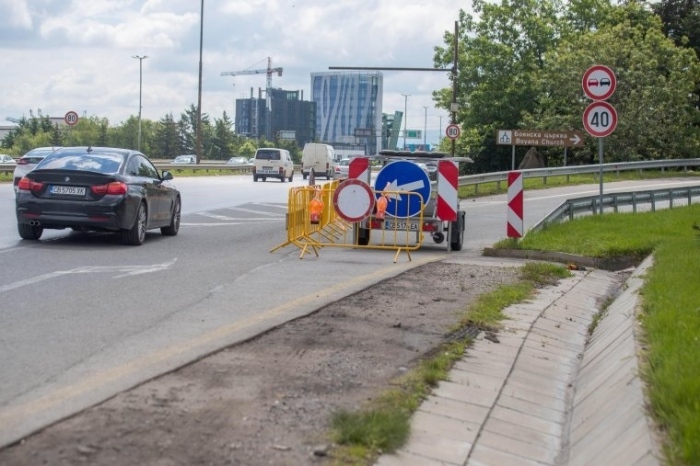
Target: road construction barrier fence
311,233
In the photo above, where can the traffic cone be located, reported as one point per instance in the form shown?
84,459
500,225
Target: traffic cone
315,208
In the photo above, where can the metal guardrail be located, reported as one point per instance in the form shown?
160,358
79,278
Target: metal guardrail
613,201
498,177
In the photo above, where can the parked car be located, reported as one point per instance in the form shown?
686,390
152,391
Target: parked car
191,159
28,161
97,189
239,161
7,160
342,168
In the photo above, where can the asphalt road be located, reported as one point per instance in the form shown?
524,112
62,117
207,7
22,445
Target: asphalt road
84,317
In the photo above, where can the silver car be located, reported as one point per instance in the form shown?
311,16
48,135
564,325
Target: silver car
7,160
28,161
341,169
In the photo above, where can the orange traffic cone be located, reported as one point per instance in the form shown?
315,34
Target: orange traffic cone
381,204
315,209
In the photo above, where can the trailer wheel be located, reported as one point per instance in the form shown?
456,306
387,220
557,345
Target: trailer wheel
457,232
363,236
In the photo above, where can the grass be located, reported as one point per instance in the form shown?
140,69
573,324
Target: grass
670,315
384,425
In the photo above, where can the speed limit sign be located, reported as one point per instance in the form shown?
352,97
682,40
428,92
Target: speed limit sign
71,118
452,131
600,119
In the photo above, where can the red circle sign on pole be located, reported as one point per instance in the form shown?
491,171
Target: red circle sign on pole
71,118
452,131
599,82
600,119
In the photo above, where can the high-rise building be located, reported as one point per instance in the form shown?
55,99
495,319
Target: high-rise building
349,109
290,118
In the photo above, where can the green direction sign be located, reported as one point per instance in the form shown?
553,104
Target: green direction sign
536,137
414,134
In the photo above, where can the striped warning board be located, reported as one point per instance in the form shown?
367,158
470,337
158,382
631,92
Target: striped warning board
515,205
447,191
359,169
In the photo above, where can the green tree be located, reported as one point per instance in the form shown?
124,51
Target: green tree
166,140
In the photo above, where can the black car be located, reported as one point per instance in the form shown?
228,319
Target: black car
97,189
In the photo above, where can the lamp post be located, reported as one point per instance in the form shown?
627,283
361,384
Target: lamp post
425,128
405,118
140,59
198,148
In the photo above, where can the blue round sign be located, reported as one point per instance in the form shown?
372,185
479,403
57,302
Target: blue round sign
403,175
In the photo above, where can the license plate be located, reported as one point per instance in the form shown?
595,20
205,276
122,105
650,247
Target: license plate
68,190
403,226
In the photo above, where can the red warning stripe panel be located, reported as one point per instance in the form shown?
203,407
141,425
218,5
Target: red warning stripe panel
448,191
359,168
515,224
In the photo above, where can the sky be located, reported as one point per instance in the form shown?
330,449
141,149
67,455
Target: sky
77,55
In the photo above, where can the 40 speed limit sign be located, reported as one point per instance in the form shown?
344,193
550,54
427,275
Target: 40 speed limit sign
600,119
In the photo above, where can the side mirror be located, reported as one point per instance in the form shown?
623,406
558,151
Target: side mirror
167,175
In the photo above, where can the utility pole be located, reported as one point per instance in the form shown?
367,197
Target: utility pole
405,118
140,59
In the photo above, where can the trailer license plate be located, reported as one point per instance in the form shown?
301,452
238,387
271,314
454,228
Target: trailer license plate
403,226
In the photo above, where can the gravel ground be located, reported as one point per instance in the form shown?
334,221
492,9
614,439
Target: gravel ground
268,401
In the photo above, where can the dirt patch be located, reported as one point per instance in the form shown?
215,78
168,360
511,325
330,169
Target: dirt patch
269,400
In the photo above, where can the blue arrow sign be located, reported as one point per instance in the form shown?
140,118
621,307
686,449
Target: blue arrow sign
403,175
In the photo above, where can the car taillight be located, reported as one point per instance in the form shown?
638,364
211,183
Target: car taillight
113,188
23,162
29,185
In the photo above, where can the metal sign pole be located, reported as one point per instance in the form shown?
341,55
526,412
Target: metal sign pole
600,158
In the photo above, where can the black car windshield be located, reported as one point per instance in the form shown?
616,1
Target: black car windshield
267,155
93,162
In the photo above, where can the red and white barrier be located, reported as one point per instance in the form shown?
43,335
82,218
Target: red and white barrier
359,169
515,205
448,187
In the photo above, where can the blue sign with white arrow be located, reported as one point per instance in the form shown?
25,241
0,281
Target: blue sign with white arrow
403,175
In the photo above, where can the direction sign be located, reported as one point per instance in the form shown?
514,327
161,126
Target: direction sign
600,119
537,137
403,175
71,118
452,131
599,82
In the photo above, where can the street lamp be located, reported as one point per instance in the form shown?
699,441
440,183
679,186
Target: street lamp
198,148
140,59
405,118
425,128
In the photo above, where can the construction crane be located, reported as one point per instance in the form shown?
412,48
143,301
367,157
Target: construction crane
269,71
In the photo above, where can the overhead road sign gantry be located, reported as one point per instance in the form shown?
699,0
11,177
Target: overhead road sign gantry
536,137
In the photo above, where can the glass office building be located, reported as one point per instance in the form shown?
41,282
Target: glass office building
348,109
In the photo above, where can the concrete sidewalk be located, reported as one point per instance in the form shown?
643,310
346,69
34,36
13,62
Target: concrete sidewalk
542,392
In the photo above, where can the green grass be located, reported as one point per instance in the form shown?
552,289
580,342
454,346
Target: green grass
670,307
384,425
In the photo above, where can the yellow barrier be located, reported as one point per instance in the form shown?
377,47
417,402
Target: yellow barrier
392,233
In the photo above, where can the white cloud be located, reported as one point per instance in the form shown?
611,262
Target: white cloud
77,55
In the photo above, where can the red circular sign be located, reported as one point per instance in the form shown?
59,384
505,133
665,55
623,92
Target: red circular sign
600,119
599,82
452,131
353,200
71,118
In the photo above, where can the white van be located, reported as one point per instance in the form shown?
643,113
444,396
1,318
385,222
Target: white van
273,163
320,157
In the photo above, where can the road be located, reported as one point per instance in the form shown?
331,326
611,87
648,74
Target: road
84,317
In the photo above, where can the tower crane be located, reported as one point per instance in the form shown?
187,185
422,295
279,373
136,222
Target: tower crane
269,71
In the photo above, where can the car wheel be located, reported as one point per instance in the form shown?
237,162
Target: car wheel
174,227
264,178
304,175
136,235
255,178
457,232
291,177
283,178
29,231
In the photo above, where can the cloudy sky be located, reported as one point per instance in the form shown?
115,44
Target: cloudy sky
62,55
